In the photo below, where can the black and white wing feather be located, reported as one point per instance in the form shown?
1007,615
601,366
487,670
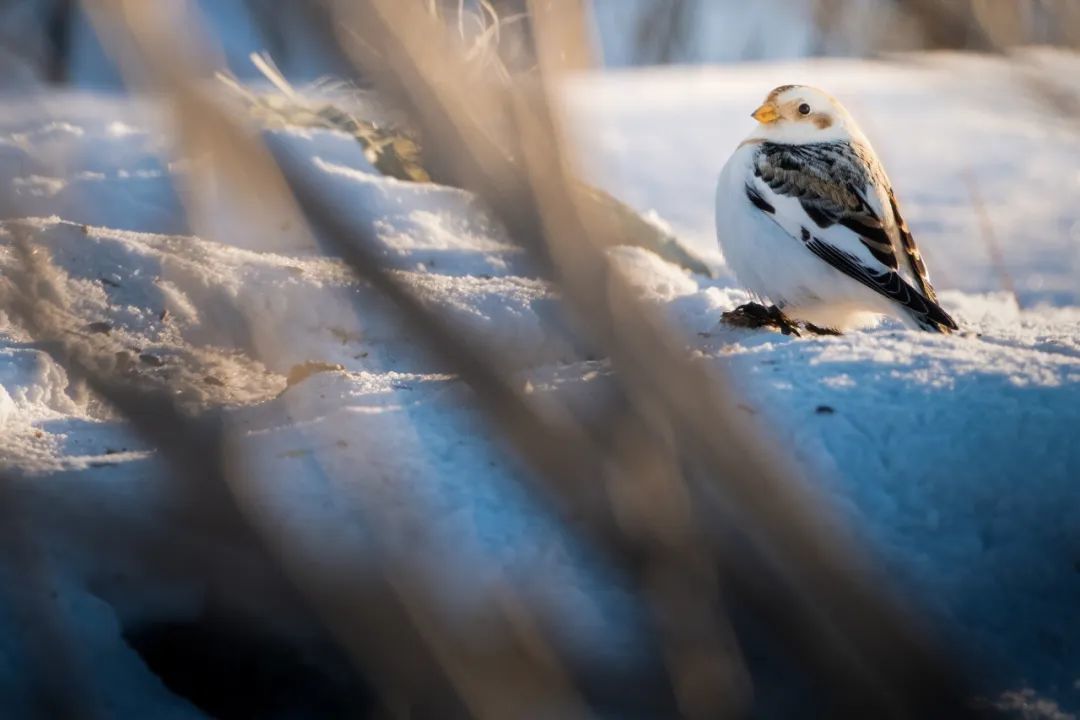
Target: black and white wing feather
835,198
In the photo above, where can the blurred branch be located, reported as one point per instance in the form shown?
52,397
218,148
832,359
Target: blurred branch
949,24
993,249
514,669
663,30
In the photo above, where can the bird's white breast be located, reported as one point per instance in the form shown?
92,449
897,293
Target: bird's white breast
769,261
766,260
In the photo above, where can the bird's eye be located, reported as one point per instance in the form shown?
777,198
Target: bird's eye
804,109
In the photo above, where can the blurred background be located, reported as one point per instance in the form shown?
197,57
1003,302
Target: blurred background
366,359
51,40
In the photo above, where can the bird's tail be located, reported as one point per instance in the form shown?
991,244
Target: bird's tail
933,318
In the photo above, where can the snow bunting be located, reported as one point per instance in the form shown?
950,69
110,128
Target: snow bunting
806,218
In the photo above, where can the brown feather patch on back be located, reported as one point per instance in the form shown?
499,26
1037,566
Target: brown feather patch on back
829,180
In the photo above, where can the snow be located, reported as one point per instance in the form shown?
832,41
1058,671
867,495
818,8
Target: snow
953,457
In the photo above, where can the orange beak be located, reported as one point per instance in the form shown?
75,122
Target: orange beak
766,114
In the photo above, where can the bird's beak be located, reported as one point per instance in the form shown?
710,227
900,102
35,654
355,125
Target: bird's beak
766,114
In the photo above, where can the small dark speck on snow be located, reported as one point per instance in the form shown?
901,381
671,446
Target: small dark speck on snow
824,410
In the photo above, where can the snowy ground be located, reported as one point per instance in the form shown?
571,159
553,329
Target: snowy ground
956,457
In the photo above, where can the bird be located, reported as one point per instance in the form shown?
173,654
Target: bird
807,219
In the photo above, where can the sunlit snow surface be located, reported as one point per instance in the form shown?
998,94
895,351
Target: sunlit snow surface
956,457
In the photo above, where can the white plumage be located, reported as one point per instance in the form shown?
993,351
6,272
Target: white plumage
807,219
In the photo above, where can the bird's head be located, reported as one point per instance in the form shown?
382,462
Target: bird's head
803,114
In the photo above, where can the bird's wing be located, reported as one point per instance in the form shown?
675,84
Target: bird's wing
834,185
911,250
925,310
826,195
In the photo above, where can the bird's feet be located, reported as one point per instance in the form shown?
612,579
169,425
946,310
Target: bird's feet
818,330
755,315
